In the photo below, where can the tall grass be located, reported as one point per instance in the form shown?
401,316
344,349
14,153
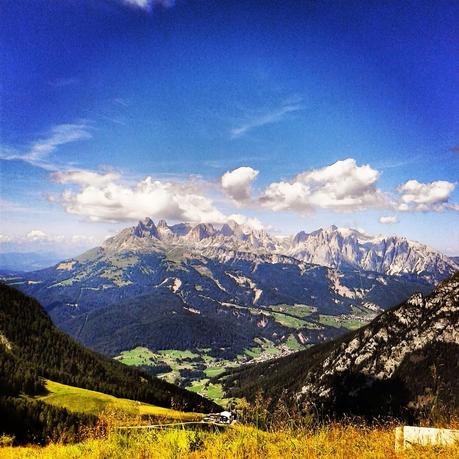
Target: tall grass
335,440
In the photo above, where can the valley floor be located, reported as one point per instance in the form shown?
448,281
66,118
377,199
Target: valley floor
334,441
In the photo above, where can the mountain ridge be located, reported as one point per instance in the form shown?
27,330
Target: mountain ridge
334,247
28,336
237,283
385,367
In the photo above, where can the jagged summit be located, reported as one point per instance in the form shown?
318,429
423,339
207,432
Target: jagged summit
176,286
341,248
146,227
162,224
201,231
346,248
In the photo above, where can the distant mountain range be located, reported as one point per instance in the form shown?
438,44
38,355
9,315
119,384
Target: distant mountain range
229,292
340,248
405,362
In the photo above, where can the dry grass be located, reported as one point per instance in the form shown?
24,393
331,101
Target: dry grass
242,441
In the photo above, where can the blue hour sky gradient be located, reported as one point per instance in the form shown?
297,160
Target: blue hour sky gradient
99,95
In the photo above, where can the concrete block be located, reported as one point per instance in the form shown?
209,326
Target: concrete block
407,436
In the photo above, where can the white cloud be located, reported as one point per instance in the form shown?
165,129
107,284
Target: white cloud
149,4
41,236
342,186
105,200
4,238
259,119
238,182
84,177
388,220
40,150
247,221
423,197
36,235
82,239
60,135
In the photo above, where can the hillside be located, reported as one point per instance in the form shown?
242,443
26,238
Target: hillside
405,362
94,403
228,294
32,348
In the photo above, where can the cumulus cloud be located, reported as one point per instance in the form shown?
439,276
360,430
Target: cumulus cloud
105,200
424,197
40,236
388,219
342,186
37,235
252,222
237,183
84,177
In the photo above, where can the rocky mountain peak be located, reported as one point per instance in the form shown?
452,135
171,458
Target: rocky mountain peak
226,230
146,228
180,229
342,248
352,249
162,224
201,231
300,237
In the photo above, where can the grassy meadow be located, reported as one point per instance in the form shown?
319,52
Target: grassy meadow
241,441
92,402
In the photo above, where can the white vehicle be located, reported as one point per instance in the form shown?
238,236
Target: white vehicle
225,417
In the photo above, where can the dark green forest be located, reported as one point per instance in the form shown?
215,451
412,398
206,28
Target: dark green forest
32,348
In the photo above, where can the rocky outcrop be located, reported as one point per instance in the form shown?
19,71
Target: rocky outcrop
377,352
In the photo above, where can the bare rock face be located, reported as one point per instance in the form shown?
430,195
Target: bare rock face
403,364
393,255
383,350
338,248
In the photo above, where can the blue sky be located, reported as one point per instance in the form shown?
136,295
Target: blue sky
111,109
